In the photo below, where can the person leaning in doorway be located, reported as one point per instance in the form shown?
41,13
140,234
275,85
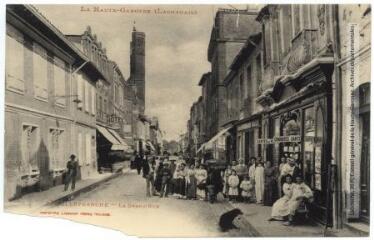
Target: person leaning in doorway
71,174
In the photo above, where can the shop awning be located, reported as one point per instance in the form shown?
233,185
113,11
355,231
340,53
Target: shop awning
210,143
105,132
124,146
110,135
201,148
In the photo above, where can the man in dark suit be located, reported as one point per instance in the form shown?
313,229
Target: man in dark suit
71,174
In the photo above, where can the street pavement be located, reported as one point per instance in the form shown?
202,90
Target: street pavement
121,204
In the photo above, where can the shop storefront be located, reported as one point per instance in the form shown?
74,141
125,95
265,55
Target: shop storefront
297,124
247,132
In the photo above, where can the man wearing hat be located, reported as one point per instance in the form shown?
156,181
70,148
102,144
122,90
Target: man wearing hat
71,174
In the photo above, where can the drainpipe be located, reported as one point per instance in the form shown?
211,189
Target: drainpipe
337,214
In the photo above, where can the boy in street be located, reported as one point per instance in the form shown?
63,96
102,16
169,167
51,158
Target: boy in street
71,174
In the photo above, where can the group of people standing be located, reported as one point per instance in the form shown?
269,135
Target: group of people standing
281,186
165,177
251,183
255,182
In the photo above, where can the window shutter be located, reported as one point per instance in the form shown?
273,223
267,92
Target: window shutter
14,60
93,100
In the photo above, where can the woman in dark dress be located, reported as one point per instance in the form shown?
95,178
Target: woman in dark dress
270,184
158,180
191,183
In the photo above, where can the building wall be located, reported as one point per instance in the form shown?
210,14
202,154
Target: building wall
231,30
353,14
33,110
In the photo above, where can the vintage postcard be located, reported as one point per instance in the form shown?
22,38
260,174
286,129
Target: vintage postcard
190,120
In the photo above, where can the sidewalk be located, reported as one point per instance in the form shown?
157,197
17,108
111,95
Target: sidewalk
55,195
257,215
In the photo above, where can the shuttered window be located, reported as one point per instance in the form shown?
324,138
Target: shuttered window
60,81
93,100
86,96
80,91
40,72
88,149
14,64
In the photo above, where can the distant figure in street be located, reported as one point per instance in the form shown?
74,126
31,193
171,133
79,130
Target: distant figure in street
191,183
165,179
233,186
172,183
158,180
179,180
138,162
259,182
148,174
71,174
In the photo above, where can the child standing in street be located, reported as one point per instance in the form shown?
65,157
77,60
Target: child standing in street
246,187
233,186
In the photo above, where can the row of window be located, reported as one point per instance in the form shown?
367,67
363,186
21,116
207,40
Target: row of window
17,50
250,78
56,148
287,23
86,93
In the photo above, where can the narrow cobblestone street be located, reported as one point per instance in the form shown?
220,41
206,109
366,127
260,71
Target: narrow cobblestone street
132,212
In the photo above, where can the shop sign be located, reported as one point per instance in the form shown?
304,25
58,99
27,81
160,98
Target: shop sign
248,125
279,139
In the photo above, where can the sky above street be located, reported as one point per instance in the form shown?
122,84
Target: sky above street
176,51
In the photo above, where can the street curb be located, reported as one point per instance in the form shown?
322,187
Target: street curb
83,190
251,229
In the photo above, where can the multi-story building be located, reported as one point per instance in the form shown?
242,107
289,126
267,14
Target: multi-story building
47,114
296,94
242,87
206,90
110,100
229,33
299,88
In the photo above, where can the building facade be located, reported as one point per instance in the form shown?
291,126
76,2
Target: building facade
229,33
45,116
299,88
353,152
109,101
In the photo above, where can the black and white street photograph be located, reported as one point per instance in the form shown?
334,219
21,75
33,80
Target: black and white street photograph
226,120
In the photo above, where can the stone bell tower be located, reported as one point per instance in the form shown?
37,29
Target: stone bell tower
137,67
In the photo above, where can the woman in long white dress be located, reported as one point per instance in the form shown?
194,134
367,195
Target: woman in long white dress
259,182
280,208
300,192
